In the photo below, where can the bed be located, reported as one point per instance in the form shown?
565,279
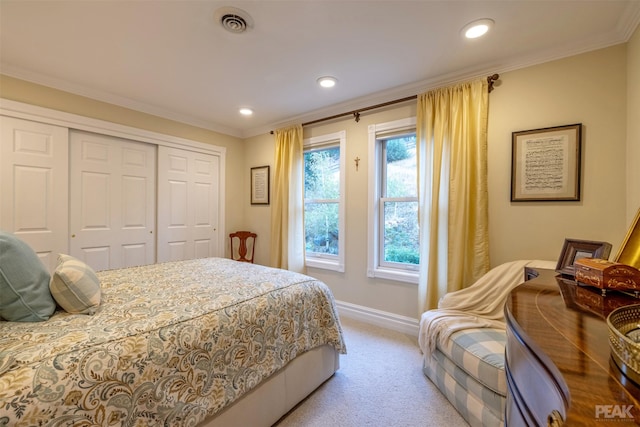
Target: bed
191,343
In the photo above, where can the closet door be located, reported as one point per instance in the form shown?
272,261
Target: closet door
188,197
112,201
34,185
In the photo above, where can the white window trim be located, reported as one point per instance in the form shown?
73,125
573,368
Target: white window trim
326,261
374,270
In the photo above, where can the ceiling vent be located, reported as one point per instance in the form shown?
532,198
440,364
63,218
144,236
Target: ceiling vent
234,20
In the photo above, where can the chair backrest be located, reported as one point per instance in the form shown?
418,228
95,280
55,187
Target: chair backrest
247,245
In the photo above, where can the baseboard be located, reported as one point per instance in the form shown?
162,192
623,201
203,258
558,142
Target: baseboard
380,318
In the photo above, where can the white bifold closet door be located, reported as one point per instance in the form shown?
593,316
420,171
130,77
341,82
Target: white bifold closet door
112,201
33,185
188,197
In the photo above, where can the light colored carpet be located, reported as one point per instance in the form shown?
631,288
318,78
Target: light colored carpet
380,383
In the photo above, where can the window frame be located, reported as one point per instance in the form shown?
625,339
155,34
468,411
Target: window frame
320,260
376,267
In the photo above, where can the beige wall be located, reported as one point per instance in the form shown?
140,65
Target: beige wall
633,126
598,89
257,218
588,89
566,91
29,93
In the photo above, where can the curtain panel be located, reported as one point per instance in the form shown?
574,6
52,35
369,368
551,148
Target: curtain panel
287,211
451,129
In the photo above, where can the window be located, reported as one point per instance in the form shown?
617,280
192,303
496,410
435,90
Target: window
393,202
324,201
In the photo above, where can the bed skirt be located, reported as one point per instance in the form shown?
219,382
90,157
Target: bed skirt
281,392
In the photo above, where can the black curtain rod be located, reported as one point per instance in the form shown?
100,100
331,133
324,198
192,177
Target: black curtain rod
356,113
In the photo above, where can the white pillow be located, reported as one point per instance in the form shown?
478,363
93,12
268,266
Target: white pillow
75,286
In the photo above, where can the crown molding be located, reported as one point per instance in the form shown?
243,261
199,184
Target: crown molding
110,98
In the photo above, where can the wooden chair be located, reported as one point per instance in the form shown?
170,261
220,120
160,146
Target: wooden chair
247,245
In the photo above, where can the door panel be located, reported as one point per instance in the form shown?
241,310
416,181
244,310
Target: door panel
177,196
133,213
34,176
187,204
113,203
31,212
203,194
95,201
202,249
174,251
134,254
99,258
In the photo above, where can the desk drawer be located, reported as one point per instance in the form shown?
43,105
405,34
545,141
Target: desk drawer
533,383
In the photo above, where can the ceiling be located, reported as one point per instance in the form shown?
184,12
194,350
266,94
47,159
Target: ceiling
174,60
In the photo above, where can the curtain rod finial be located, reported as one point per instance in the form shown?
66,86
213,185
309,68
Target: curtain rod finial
491,79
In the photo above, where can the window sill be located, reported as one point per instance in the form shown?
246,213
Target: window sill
392,274
326,264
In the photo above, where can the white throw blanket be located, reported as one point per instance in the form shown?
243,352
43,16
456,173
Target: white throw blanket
481,305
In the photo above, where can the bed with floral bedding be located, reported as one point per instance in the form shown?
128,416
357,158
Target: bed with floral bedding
169,344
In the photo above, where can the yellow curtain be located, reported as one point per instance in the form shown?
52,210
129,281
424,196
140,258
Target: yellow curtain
287,211
451,130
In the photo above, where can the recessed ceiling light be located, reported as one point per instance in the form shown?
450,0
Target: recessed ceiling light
246,111
327,81
477,28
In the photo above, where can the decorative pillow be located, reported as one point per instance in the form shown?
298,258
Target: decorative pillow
75,286
24,283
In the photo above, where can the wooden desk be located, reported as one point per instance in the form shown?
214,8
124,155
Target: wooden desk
558,361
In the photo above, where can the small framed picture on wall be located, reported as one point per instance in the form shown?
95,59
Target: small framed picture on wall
260,185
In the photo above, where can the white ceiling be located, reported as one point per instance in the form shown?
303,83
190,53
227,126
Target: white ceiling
171,59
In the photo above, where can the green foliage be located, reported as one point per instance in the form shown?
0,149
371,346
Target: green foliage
322,189
402,254
401,217
322,174
397,148
401,170
401,237
321,182
321,227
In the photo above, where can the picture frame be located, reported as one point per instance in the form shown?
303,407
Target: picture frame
629,252
546,164
573,250
260,185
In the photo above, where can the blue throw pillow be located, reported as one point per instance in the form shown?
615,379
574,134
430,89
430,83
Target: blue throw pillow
24,283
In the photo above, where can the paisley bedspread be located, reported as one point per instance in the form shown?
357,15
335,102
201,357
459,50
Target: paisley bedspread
171,344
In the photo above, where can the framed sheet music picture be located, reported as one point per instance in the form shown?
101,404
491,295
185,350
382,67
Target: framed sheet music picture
545,164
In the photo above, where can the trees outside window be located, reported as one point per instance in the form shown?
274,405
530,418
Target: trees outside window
399,202
394,251
323,202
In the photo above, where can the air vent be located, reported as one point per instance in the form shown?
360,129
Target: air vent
234,23
233,19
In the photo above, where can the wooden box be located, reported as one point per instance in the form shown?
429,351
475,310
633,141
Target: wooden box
589,299
606,275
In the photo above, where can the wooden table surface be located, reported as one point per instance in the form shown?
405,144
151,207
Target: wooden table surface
565,324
